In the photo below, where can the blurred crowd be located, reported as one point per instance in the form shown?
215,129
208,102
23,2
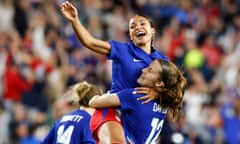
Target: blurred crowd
40,57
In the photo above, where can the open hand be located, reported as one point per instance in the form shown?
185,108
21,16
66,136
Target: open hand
69,11
150,94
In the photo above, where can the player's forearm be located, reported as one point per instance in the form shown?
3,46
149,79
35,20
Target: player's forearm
104,101
93,102
82,34
88,40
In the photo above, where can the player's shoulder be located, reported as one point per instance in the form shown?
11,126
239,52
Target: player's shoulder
79,112
159,54
115,43
126,91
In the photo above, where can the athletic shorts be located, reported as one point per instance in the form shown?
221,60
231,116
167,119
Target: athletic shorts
100,116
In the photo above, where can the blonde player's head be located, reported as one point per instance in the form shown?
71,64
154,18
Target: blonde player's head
81,93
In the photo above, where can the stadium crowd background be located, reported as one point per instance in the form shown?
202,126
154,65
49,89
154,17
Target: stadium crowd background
40,57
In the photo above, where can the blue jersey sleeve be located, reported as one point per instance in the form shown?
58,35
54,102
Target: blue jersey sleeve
117,49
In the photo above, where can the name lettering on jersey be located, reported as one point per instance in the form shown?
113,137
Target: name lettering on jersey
75,118
158,108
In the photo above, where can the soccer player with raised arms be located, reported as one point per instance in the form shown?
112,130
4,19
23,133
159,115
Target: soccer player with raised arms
128,59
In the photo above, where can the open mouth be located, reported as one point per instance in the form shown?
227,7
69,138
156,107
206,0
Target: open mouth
140,34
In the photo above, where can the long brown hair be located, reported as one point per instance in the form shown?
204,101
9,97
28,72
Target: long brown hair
171,95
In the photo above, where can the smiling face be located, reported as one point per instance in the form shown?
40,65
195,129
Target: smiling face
141,30
150,75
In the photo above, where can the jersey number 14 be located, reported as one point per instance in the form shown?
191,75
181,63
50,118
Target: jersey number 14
64,136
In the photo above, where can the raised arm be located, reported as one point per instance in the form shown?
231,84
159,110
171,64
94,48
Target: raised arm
104,101
71,14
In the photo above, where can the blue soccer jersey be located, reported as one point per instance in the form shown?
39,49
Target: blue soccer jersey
142,123
127,64
231,126
72,128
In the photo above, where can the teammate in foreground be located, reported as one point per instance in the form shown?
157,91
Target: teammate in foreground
73,127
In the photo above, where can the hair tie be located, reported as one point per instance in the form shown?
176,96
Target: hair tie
165,72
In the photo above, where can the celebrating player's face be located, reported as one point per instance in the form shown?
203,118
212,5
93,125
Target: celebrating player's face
140,30
150,75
